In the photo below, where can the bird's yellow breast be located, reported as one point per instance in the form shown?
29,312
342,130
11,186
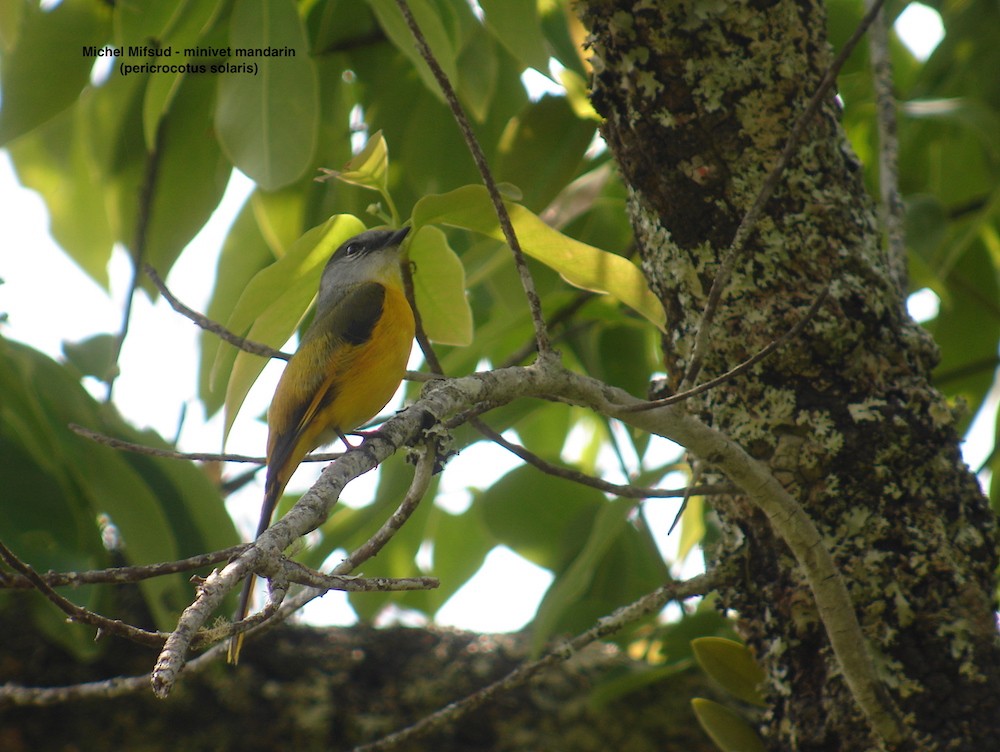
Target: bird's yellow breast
376,367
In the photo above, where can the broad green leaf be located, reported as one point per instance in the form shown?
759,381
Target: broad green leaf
56,161
45,72
565,34
516,25
544,430
542,518
11,16
578,94
732,665
580,264
267,122
244,253
280,216
160,93
438,39
617,685
728,730
570,587
337,23
625,356
926,224
675,638
275,301
94,356
163,509
439,288
616,565
477,74
191,175
461,543
180,26
542,148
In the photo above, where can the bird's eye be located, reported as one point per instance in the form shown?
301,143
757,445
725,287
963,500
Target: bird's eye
352,249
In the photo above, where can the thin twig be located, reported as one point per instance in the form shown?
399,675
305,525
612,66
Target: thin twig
268,618
172,454
624,491
742,367
256,348
303,575
414,494
767,189
648,605
119,575
78,613
534,302
892,209
558,317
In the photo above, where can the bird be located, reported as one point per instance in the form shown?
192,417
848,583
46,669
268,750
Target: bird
348,365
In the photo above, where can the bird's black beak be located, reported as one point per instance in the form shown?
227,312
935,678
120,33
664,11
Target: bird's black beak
397,237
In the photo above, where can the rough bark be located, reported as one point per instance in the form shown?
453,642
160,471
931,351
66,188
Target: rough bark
310,689
698,99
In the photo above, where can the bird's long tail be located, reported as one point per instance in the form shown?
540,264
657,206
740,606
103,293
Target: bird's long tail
272,493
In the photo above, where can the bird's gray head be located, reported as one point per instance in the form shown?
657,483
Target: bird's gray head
372,256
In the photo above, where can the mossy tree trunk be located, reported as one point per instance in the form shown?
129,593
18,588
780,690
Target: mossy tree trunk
699,99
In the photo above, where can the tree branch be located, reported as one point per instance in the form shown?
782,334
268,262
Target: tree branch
548,380
117,575
648,605
78,613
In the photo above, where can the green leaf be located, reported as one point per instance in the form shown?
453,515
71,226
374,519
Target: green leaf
439,288
967,327
191,175
926,224
728,730
397,558
163,509
275,301
267,123
94,356
56,161
537,516
542,148
732,665
369,168
179,25
44,72
461,543
580,264
477,73
544,430
692,526
438,39
568,604
244,253
280,216
516,26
